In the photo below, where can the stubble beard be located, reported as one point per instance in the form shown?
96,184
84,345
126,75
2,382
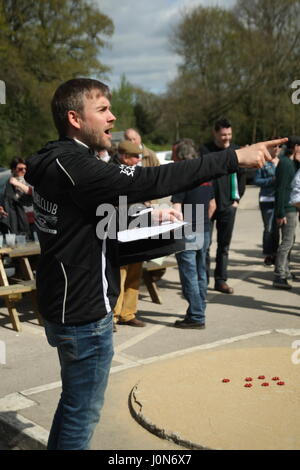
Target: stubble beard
93,139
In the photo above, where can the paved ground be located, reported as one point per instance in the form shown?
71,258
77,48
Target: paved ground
169,381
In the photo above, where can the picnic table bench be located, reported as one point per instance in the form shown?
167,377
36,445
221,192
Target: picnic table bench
151,273
13,291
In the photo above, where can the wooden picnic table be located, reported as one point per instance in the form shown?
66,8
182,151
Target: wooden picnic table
23,282
151,273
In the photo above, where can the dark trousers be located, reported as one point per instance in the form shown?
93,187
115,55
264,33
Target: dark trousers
224,221
271,229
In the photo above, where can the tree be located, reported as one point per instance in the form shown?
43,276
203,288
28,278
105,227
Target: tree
275,51
238,62
208,40
148,112
123,99
42,43
137,108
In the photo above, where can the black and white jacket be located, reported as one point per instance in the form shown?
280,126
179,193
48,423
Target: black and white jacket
78,272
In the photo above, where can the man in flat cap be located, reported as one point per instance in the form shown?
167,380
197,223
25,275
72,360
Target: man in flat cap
149,157
129,155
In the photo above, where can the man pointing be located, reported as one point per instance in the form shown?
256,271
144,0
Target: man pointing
78,273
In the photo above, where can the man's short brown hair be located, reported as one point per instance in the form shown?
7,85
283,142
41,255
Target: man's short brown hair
69,97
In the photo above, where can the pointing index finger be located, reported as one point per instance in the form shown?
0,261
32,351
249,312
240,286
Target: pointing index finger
273,143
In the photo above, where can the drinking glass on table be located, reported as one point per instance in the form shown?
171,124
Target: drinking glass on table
21,239
10,239
36,238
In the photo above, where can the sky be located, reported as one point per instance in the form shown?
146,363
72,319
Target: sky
139,47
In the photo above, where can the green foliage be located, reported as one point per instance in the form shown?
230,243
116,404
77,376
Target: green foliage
123,99
148,114
239,63
134,107
42,43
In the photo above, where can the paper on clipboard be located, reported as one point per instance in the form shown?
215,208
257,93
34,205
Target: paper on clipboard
147,232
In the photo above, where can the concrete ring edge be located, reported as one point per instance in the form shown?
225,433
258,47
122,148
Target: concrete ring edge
136,410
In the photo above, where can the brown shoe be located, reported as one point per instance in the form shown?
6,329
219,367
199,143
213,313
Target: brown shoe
223,287
133,322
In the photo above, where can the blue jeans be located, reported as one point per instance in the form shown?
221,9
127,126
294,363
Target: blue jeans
271,229
192,272
85,355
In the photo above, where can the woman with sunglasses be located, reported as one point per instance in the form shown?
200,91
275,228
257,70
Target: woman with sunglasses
18,199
